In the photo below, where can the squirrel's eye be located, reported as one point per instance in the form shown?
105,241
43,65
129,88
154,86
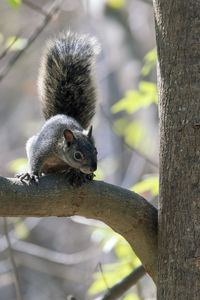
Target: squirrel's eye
78,155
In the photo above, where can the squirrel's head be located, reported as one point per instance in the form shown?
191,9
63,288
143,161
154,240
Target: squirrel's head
79,150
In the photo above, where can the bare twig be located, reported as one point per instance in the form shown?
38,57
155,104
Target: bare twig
121,287
35,7
16,275
32,38
9,47
102,274
50,255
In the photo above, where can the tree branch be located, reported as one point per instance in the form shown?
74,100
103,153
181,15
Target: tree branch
121,287
125,212
48,17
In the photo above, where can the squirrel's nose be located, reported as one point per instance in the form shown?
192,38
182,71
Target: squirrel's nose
93,167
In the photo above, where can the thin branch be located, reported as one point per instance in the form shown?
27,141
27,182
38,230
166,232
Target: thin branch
35,7
48,267
124,211
121,287
102,274
16,275
48,254
6,50
32,38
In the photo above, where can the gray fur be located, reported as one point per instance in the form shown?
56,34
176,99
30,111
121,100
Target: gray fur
68,98
50,144
66,80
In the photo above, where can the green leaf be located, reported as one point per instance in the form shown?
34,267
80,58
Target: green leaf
151,56
149,90
99,175
97,287
21,230
15,44
137,99
120,125
116,4
125,252
135,134
130,103
14,3
149,62
113,272
149,184
108,279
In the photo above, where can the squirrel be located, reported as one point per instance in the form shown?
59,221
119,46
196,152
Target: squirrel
67,92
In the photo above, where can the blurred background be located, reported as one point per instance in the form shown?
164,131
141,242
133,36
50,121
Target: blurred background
57,257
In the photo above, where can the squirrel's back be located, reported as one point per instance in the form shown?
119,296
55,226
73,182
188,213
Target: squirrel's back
66,80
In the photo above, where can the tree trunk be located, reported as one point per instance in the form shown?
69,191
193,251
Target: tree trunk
178,43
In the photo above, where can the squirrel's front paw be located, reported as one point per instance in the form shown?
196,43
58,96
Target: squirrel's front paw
90,176
28,176
77,178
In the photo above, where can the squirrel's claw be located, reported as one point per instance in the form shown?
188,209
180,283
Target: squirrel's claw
90,176
28,176
23,176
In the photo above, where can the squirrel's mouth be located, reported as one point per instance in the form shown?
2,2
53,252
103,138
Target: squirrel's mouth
88,170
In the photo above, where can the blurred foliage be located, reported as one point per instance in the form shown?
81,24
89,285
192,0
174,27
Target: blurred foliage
137,99
116,4
14,3
150,184
14,43
149,62
99,175
134,133
112,273
21,230
131,297
18,165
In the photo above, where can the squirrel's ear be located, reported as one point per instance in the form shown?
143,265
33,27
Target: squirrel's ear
90,132
69,137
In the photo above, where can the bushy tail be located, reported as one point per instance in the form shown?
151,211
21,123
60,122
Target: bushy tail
66,80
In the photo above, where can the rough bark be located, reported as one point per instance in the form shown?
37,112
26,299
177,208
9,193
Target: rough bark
125,212
178,41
